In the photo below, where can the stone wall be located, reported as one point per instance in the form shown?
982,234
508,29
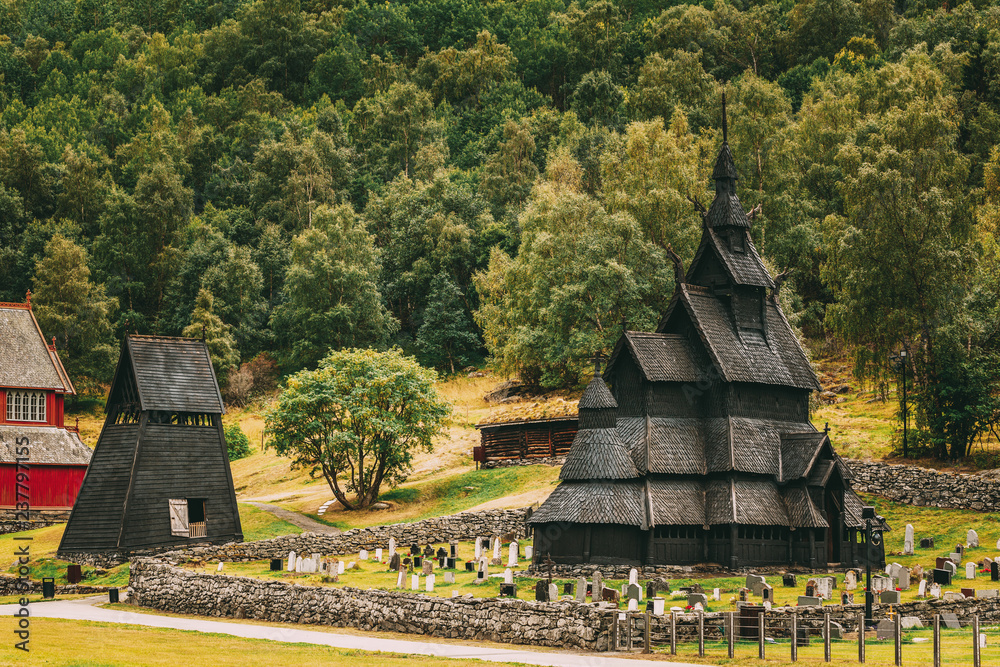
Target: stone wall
462,526
507,463
162,586
10,520
926,487
14,586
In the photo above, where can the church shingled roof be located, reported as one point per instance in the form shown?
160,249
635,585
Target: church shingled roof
49,445
597,396
25,357
725,166
173,374
620,502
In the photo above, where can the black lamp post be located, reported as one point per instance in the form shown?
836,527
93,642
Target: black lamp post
868,513
900,361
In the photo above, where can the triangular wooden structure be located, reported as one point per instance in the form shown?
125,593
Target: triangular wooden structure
160,475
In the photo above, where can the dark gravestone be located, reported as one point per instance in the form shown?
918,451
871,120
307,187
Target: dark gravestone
441,553
810,590
470,566
951,621
651,591
276,564
394,562
942,577
453,548
442,562
959,549
846,598
789,580
939,562
541,591
994,571
451,563
610,595
418,561
428,551
927,543
414,549
969,592
509,590
568,588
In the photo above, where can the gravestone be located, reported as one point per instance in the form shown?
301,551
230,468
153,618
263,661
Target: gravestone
418,561
767,594
951,621
392,547
789,580
508,590
414,549
378,554
363,554
823,589
651,591
441,553
953,596
968,592
846,598
512,555
939,562
744,594
810,588
994,571
908,541
340,567
970,570
935,591
903,579
428,567
928,543
810,601
955,557
470,566
568,588
889,597
610,595
697,598
951,567
850,581
298,563
400,578
836,630
581,590
754,582
451,563
553,593
496,547
508,576
415,582
453,550
886,629
922,589
716,595
430,583
479,548
597,589
917,572
541,591
910,622
394,562
291,561
449,577
529,551
428,551
633,592
987,593
633,605
972,539
960,549
633,576
942,576
277,564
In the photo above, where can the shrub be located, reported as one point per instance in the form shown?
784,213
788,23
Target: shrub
237,442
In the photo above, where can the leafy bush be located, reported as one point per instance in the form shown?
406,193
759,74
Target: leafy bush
237,442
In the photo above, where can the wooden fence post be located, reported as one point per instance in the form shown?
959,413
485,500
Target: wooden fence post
732,633
937,640
826,637
701,634
673,633
760,636
975,641
795,637
899,639
861,637
645,639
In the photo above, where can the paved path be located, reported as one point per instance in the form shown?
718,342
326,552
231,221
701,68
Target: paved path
303,522
85,610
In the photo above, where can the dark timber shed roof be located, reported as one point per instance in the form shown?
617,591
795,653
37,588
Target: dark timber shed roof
171,374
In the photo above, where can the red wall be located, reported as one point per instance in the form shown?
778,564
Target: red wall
54,410
48,485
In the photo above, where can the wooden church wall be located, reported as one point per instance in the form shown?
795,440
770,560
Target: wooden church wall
761,401
627,388
673,399
178,462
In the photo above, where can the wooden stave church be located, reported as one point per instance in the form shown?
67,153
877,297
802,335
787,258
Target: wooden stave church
162,442
702,450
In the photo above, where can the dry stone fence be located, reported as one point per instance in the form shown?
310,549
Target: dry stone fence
926,487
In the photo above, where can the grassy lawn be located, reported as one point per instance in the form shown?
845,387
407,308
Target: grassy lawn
58,642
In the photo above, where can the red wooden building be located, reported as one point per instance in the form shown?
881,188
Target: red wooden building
33,384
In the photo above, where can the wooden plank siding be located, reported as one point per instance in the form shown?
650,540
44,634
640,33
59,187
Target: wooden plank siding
528,440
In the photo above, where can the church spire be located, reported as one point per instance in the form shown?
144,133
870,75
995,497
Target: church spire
725,169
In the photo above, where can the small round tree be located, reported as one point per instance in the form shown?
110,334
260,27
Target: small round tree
358,419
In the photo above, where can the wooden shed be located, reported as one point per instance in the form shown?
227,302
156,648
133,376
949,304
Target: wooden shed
527,439
160,475
702,450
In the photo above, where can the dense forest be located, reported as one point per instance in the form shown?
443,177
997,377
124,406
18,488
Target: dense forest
500,181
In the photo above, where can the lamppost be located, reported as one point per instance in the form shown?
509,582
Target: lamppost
899,360
873,539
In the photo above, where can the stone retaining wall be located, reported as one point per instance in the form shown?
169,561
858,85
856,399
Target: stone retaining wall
14,586
462,526
10,520
162,586
507,463
926,487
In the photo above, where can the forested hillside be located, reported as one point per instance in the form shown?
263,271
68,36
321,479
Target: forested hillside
499,179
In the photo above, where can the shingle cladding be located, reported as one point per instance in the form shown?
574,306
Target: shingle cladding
25,359
174,374
677,502
48,444
727,211
597,396
617,502
745,268
598,453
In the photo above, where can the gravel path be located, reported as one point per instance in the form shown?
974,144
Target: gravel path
86,610
303,522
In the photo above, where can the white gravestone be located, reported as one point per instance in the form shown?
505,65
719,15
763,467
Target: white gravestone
400,578
553,593
970,570
716,595
298,563
415,582
449,577
430,583
291,561
633,576
378,555
633,605
922,589
972,539
529,551
508,576
363,554
219,569
479,549
455,594
392,547
496,547
340,567
935,590
512,555
850,581
908,541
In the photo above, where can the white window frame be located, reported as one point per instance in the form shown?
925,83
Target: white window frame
24,405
